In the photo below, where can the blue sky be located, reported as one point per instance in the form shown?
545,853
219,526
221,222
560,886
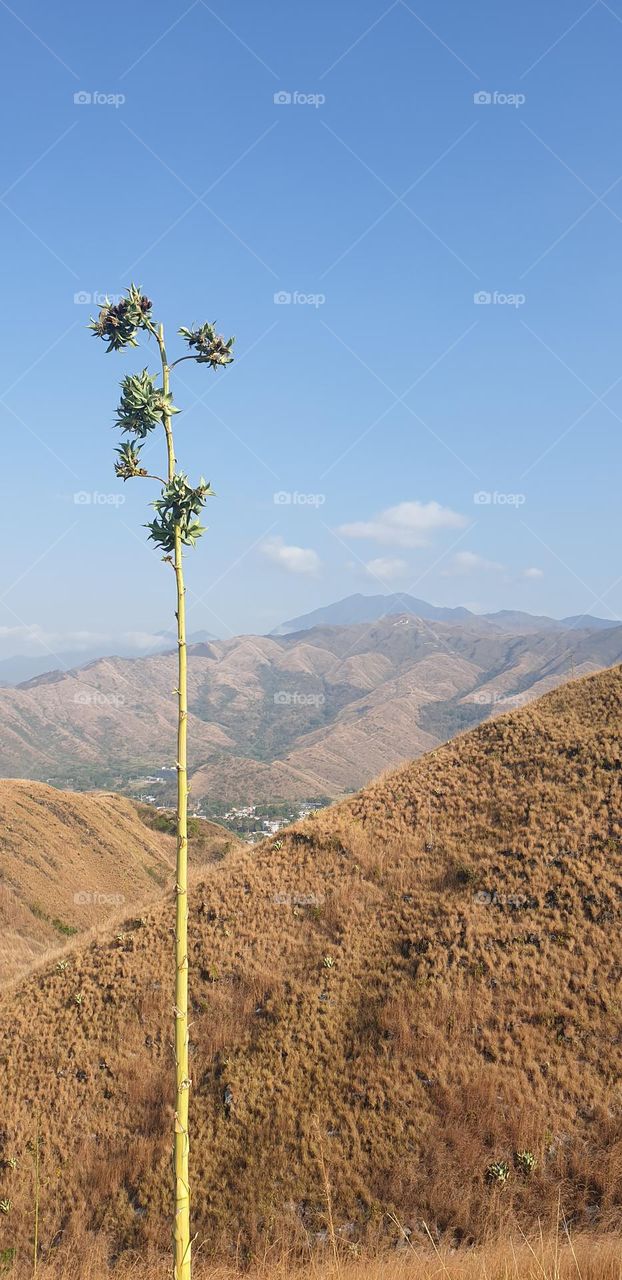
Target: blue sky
379,199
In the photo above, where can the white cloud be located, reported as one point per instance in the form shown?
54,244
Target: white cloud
386,568
294,559
465,562
468,562
409,524
34,640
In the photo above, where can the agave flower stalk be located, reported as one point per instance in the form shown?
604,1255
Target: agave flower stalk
144,405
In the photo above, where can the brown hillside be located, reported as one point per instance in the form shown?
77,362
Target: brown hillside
410,987
68,862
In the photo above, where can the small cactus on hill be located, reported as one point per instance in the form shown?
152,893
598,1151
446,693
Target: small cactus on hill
498,1173
525,1162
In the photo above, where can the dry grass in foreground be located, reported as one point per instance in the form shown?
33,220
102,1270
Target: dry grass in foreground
414,996
556,1257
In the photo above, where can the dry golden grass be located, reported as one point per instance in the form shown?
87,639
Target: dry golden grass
400,991
69,862
551,1257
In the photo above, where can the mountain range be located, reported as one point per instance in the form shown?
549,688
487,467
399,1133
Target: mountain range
314,713
26,666
361,608
21,667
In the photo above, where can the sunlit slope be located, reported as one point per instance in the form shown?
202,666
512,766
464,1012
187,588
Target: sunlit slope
415,985
68,862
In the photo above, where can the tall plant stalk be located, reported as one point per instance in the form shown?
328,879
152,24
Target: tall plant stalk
37,1156
142,406
182,1067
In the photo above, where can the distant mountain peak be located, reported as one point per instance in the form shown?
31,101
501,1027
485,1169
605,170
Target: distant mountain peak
361,608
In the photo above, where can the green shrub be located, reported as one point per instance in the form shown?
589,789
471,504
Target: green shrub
67,930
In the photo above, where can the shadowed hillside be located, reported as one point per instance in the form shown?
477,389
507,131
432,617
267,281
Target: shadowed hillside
418,989
69,862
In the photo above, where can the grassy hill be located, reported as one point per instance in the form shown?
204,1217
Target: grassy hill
69,862
410,995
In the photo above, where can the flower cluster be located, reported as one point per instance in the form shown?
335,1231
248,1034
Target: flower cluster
118,323
128,465
177,509
141,407
210,346
142,404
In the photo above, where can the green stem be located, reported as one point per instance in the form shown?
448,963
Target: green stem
182,1243
180,358
35,1257
166,387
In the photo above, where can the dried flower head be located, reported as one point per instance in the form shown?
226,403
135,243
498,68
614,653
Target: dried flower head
117,323
210,346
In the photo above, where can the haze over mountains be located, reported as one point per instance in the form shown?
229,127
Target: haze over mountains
42,656
361,608
311,713
409,990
